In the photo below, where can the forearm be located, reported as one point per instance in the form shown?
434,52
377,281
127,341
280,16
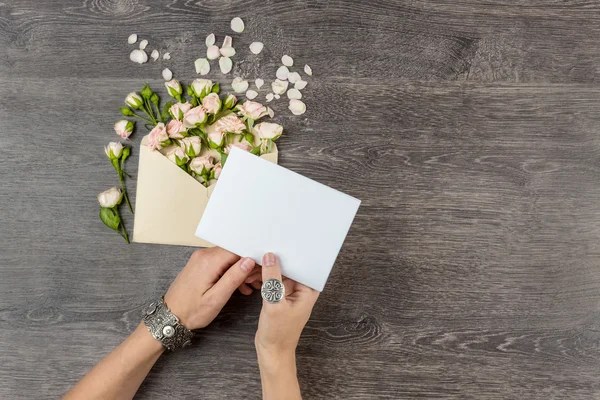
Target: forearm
122,372
278,376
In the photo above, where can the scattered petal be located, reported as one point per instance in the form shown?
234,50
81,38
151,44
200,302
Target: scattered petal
256,47
213,52
269,97
297,107
307,70
227,42
167,74
237,25
132,38
155,54
300,84
271,112
228,51
294,94
294,77
143,44
167,56
225,64
202,66
287,60
279,87
239,85
277,97
138,56
251,94
210,40
259,82
282,72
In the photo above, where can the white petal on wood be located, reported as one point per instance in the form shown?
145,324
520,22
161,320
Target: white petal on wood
277,97
138,56
294,94
259,82
297,107
269,97
167,56
300,85
202,66
155,54
271,112
132,38
225,64
256,47
210,40
251,94
237,25
307,70
294,77
228,51
282,72
143,44
227,42
213,52
167,74
279,86
239,85
287,60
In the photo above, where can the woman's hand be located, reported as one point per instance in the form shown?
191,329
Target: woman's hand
205,284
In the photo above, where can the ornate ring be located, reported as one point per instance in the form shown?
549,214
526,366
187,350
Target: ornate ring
272,291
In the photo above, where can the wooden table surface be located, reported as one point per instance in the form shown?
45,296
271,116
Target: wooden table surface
468,129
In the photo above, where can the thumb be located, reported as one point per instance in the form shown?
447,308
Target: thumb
231,280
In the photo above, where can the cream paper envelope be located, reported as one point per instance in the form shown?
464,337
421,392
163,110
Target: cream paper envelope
303,222
169,202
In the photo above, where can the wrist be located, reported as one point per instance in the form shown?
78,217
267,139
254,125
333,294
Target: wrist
145,338
273,360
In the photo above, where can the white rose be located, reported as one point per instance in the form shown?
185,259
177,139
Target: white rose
134,100
201,165
110,198
114,150
178,156
174,88
202,87
192,145
212,103
269,130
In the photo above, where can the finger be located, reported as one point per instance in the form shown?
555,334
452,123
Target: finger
245,289
289,286
231,280
305,293
253,277
271,268
256,285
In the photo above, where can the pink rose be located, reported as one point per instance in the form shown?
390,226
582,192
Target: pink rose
178,110
124,128
217,170
240,145
201,165
212,103
175,128
158,136
230,123
192,145
194,116
216,137
252,110
268,130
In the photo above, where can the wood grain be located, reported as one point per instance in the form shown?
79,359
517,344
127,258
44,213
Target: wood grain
468,129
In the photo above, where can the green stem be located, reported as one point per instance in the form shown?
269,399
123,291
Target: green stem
124,190
124,234
142,118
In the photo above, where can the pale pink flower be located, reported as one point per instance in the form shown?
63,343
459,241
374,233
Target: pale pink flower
230,123
157,136
217,170
216,137
240,145
201,164
268,130
174,129
192,145
212,103
124,128
252,110
178,110
194,116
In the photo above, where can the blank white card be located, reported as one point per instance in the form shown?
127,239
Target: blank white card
258,206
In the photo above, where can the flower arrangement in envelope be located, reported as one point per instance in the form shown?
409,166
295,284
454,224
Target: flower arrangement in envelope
181,161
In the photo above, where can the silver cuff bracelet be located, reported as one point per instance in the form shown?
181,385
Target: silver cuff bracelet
165,326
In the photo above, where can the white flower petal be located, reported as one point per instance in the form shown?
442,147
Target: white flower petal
307,70
237,25
227,42
256,47
155,54
297,107
138,56
210,40
213,52
251,94
294,77
143,44
132,38
282,72
294,94
269,97
277,97
287,60
239,85
300,84
167,74
167,56
259,82
228,51
225,64
271,112
202,66
279,87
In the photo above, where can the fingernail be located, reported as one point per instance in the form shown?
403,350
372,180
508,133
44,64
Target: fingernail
247,264
269,259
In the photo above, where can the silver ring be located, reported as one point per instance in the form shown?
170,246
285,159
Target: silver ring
272,291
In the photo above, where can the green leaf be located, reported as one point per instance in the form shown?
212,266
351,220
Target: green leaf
256,150
115,163
249,138
190,91
110,218
165,112
216,88
223,158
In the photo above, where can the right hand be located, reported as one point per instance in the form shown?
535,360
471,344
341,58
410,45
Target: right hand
281,324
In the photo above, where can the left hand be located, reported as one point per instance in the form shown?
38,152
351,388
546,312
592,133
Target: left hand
205,284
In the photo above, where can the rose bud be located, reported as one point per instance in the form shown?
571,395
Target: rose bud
174,88
252,110
194,116
212,103
114,150
134,100
201,165
192,145
230,101
124,128
240,145
265,146
176,130
230,123
178,156
158,137
178,110
216,172
201,87
268,130
215,139
110,198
